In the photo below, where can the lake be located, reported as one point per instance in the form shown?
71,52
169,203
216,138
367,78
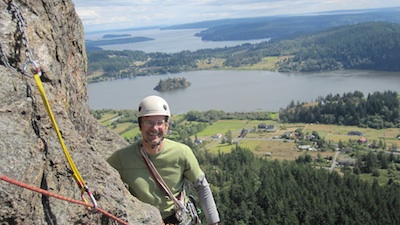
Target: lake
230,91
167,41
240,91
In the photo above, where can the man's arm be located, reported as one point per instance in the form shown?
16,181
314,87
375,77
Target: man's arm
207,200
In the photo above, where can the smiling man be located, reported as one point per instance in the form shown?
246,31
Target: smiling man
175,162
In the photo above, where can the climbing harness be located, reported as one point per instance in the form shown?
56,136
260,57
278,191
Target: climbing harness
185,210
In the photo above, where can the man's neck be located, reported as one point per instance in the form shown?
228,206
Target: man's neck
152,149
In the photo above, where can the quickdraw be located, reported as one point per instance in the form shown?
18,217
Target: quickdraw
81,183
37,74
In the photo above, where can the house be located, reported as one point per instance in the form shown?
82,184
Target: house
310,137
362,140
270,128
287,134
243,133
217,136
262,126
355,133
347,162
304,147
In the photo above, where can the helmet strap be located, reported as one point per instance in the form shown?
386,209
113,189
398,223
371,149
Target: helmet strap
153,146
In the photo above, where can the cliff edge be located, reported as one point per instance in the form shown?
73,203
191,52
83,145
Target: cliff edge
50,34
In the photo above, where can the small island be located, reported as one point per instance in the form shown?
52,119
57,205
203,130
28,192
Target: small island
170,84
115,35
118,41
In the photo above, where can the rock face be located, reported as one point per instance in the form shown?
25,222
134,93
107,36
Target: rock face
30,151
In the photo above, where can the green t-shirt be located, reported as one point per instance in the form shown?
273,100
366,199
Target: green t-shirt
175,162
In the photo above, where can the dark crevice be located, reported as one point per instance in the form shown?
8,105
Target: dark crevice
49,217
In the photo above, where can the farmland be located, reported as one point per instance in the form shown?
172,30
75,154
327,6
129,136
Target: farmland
262,142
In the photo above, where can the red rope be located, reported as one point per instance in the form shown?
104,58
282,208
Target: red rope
44,192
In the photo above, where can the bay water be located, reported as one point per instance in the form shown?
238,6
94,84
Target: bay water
166,41
240,91
230,91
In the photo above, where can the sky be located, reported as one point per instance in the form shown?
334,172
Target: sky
118,14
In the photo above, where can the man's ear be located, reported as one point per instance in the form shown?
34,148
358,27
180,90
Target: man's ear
140,124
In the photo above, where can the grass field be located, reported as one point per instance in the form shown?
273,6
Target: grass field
260,141
268,144
105,120
122,127
222,127
336,133
267,63
131,133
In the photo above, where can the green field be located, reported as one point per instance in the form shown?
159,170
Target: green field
269,144
267,63
280,149
222,127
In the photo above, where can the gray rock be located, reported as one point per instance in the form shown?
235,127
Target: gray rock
30,151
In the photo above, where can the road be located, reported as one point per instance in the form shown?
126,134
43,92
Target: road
334,161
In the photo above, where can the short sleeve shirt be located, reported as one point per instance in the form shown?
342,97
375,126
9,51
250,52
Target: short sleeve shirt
175,163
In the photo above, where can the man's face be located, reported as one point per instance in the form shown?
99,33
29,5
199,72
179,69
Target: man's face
153,128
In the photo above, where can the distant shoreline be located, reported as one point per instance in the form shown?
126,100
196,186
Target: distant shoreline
97,43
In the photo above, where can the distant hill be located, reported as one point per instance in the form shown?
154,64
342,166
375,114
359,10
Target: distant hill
366,46
282,27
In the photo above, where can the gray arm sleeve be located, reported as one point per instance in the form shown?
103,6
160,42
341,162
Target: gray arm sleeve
206,200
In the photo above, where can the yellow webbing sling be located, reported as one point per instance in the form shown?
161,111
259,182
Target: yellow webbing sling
81,183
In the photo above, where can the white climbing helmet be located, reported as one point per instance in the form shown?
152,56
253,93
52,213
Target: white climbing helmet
153,106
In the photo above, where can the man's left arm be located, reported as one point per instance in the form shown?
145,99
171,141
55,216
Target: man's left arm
207,200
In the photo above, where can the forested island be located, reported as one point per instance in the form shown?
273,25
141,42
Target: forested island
371,46
115,35
170,84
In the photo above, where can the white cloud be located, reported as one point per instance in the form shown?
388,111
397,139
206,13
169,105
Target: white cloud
111,14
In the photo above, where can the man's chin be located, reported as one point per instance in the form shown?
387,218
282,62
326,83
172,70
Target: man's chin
154,140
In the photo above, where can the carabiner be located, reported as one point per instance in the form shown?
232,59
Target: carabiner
86,189
37,69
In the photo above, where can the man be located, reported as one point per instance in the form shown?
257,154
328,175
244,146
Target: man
174,161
